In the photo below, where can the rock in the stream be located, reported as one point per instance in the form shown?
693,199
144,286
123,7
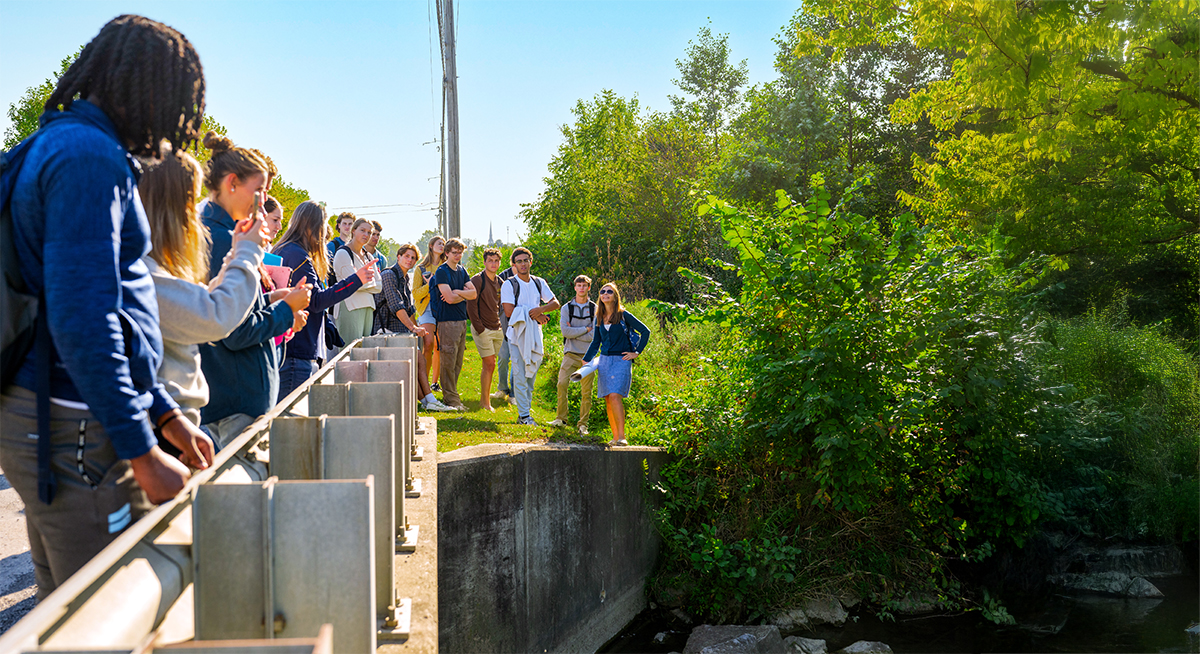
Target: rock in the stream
811,613
734,639
1107,583
866,647
798,645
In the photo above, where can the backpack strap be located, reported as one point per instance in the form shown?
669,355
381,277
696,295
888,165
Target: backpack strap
45,478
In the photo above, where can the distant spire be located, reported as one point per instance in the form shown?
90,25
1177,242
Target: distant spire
490,241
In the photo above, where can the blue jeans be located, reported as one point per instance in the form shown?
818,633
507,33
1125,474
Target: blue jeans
293,373
522,385
502,368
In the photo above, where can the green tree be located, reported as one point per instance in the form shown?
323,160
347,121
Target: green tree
712,82
24,113
617,203
829,115
1073,126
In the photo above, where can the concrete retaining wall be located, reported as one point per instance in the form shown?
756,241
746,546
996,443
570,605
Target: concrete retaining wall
542,548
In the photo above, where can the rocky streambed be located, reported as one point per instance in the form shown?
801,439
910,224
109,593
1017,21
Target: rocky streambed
1093,598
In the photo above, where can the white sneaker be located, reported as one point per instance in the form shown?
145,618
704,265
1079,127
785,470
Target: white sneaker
557,423
499,395
436,405
583,430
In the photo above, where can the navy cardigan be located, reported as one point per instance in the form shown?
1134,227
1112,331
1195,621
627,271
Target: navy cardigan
616,340
304,344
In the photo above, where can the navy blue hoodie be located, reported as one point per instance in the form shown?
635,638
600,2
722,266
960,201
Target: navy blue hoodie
242,369
80,234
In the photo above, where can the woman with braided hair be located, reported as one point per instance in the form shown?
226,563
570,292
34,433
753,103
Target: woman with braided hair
88,386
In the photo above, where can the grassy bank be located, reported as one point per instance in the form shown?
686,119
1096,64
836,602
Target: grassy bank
672,358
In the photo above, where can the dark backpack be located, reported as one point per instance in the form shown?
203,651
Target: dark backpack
517,288
18,306
21,321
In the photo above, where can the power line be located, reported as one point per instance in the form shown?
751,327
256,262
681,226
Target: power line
385,213
399,204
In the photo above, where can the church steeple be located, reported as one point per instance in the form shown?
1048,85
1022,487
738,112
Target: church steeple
490,240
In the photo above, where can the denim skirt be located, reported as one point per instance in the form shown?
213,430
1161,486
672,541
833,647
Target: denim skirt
613,375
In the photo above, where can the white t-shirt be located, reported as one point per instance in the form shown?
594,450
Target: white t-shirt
529,293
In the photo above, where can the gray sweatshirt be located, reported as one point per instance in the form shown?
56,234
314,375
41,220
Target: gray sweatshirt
576,331
190,314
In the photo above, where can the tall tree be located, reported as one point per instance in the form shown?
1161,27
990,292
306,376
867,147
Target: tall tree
713,83
1073,126
24,113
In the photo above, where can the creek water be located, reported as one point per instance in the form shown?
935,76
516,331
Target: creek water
1060,624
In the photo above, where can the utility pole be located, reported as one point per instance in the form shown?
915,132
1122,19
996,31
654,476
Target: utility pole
450,111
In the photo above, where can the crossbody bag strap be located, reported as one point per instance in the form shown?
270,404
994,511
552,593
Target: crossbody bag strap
46,482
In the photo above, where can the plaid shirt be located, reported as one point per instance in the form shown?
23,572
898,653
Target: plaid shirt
396,295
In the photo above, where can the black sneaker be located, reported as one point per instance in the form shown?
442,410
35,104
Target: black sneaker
435,386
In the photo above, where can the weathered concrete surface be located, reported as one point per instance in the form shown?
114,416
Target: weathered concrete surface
542,547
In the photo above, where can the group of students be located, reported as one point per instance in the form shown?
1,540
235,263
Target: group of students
166,322
505,312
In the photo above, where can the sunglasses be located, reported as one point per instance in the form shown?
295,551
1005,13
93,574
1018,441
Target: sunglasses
521,261
607,291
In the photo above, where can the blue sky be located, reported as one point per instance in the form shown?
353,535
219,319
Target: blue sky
345,98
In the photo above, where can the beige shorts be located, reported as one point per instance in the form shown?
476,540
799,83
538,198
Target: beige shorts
488,342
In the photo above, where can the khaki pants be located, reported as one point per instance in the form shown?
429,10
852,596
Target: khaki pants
452,343
570,363
96,497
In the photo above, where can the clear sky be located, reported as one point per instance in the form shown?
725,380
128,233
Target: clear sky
345,96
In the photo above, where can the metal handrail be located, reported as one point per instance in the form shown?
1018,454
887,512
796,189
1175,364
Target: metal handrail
56,611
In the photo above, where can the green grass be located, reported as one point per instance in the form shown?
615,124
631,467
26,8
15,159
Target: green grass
673,359
475,426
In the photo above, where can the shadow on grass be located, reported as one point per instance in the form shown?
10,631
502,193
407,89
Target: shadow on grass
450,424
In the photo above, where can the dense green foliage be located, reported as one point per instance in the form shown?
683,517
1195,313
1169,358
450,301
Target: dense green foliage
1130,469
617,203
883,405
1071,125
996,335
878,385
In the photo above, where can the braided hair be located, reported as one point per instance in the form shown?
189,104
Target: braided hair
148,80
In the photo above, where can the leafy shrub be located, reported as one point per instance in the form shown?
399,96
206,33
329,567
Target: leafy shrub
875,417
1131,467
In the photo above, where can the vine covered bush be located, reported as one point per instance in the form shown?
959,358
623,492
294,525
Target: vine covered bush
870,416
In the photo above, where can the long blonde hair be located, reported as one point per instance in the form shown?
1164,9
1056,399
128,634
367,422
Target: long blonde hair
602,309
179,241
307,228
430,254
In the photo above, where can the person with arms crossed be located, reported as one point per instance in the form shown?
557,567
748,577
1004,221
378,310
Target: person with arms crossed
452,287
394,313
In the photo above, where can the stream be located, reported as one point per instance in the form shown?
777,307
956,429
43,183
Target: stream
1061,624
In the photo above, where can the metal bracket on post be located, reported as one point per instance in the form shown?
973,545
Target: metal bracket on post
280,559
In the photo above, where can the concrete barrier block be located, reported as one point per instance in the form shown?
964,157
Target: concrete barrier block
346,448
371,399
364,353
283,558
385,371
